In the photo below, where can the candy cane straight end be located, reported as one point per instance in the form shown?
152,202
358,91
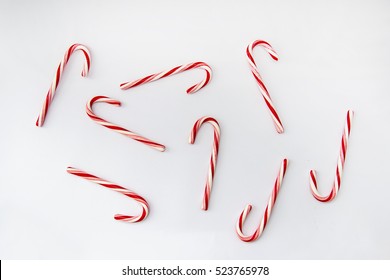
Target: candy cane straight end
50,94
280,130
69,169
205,203
125,218
123,86
38,123
190,90
339,168
268,209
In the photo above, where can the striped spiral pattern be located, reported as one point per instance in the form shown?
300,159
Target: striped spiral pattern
57,77
268,209
339,168
214,155
117,188
259,79
115,127
173,71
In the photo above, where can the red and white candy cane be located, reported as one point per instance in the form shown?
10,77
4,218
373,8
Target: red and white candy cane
117,128
214,155
339,168
259,79
268,209
117,188
60,69
173,71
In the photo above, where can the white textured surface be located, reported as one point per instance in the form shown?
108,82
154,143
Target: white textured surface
334,56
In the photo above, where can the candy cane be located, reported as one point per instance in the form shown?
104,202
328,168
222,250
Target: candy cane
339,168
171,72
117,188
214,155
268,209
60,69
259,80
115,127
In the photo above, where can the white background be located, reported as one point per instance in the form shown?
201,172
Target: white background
334,56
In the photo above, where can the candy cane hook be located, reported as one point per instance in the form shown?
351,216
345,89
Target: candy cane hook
214,155
259,80
171,72
268,209
117,188
339,168
115,127
57,77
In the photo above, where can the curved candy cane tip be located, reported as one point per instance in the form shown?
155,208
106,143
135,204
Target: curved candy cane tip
202,84
135,219
240,222
125,218
199,123
248,208
86,53
274,55
105,99
313,179
267,46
